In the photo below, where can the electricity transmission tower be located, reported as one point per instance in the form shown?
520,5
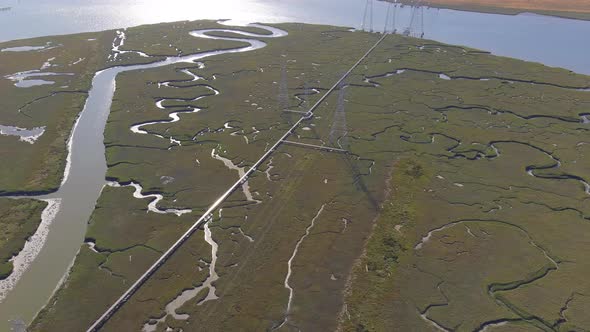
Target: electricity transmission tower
390,19
368,15
283,88
339,130
416,27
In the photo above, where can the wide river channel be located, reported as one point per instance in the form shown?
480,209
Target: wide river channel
552,41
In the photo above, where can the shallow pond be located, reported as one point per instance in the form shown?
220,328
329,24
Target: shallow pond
25,135
84,180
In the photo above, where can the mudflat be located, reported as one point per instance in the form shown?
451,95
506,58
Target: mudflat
565,8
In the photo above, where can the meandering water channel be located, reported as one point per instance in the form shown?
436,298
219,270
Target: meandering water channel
549,40
553,41
84,179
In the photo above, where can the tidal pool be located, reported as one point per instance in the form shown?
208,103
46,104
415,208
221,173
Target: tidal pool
25,135
22,79
24,48
84,178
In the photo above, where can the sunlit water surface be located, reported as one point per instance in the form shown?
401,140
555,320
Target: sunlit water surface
552,41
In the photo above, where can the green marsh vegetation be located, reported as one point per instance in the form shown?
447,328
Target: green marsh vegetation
461,192
193,179
491,238
39,167
20,219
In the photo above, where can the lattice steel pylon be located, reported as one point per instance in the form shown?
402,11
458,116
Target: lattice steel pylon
283,97
390,18
307,91
416,28
422,21
339,130
368,14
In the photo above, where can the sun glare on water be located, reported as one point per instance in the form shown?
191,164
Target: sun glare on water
239,11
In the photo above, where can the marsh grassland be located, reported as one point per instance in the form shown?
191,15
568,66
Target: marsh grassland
20,219
461,205
45,89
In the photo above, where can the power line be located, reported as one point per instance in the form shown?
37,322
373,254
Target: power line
371,18
365,15
387,18
99,323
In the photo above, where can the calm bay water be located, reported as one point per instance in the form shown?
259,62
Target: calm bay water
552,41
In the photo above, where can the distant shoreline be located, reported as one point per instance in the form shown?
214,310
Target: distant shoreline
499,9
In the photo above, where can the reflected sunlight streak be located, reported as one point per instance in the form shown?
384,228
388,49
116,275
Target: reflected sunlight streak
241,12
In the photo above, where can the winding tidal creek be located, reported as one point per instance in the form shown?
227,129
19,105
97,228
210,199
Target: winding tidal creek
48,260
83,181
